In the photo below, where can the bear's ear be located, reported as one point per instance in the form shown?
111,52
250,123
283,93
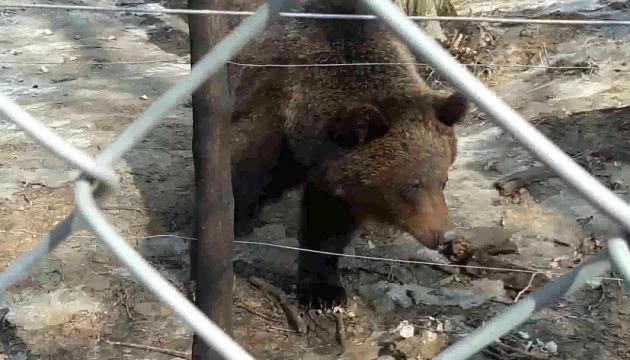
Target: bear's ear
357,126
451,109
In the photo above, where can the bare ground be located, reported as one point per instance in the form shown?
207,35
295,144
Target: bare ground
80,301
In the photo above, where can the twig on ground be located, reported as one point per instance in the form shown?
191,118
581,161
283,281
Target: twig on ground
281,329
539,87
179,354
546,54
3,315
292,313
251,311
529,285
601,299
125,303
527,354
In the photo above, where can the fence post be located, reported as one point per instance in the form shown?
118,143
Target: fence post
211,258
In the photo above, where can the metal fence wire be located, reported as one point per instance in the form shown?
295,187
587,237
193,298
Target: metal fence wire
98,179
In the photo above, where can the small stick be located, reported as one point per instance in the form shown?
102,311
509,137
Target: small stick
281,329
453,38
529,285
242,306
527,354
601,298
179,354
546,54
341,329
538,87
3,315
291,311
126,305
457,41
492,354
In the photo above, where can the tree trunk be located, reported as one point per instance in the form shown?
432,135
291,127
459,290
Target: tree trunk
211,259
429,8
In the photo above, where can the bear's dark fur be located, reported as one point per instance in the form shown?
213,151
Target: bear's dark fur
367,141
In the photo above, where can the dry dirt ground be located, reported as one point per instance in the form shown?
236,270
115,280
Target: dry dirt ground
80,302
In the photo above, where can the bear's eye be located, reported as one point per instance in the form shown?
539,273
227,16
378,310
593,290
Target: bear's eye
411,192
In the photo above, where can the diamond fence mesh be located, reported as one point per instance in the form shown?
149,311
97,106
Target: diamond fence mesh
98,179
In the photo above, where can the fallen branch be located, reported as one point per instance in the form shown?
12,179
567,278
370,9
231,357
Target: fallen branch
292,313
512,182
179,354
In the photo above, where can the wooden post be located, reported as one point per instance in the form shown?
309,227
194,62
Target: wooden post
211,258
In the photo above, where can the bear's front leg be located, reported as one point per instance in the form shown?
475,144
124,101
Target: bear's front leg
326,225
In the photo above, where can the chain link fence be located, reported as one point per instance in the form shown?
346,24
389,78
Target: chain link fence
98,179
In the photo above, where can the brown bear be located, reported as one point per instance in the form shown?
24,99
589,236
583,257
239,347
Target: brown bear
366,141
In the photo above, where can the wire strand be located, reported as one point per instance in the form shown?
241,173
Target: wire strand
299,249
376,258
136,62
140,62
408,63
497,20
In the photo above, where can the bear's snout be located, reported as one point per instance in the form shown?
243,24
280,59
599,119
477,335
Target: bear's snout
430,224
433,238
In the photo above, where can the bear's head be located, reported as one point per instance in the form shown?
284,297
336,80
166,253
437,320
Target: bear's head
395,163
